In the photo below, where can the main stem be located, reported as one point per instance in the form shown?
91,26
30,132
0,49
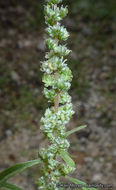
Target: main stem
56,98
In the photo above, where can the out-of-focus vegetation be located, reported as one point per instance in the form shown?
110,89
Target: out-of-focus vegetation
92,9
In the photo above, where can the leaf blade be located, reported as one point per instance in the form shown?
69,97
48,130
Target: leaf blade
13,170
75,130
67,158
10,186
78,182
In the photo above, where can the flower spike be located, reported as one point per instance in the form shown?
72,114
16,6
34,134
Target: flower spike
56,78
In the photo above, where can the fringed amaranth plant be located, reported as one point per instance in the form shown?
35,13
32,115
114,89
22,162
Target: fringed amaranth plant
57,77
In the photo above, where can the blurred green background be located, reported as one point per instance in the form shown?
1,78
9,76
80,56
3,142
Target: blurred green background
92,27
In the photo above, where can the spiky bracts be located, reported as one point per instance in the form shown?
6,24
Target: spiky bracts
57,77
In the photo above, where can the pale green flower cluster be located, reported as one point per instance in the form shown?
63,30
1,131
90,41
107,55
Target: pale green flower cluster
56,15
55,122
56,78
63,97
62,82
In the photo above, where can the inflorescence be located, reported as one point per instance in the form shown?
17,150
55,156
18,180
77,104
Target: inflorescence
57,77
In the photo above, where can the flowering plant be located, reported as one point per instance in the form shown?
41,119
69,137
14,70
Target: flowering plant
56,78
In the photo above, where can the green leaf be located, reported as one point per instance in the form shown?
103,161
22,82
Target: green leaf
13,170
67,158
78,182
85,188
10,186
75,130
